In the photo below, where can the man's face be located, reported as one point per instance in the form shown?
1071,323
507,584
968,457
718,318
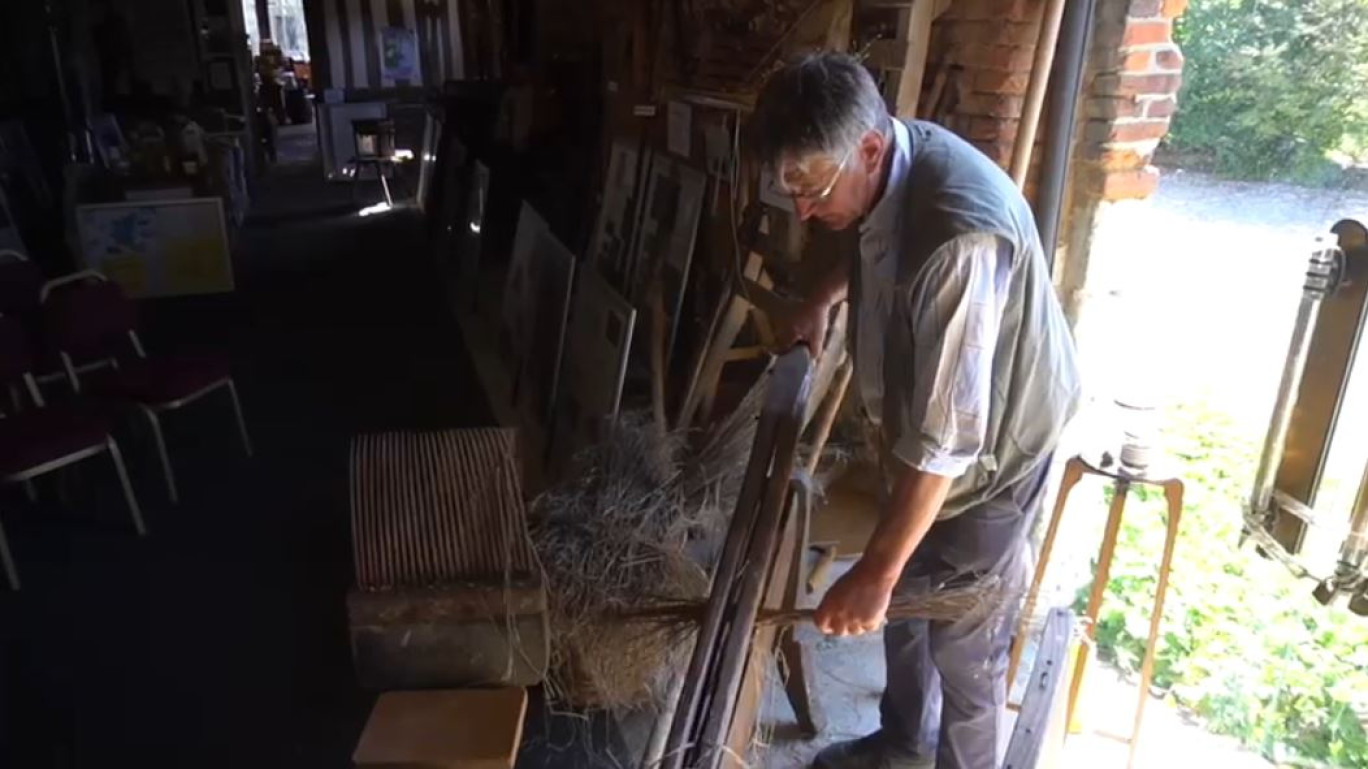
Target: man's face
836,190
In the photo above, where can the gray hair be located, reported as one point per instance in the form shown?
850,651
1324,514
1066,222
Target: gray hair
819,103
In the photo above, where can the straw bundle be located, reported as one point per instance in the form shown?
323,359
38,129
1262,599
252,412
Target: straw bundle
985,596
637,523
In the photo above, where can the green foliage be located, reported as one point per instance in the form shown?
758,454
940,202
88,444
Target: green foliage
1243,644
1271,86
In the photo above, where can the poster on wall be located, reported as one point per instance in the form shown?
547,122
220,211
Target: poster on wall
158,248
398,54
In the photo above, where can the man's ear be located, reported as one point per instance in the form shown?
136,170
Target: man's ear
871,151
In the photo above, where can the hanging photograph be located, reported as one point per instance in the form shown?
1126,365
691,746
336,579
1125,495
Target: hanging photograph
398,54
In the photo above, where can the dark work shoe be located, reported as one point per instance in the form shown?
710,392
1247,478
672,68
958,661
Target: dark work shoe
870,752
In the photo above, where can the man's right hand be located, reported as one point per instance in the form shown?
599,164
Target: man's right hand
806,322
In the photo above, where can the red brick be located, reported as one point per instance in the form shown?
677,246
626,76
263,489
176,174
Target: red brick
998,32
1123,159
1130,185
1169,59
1148,85
1106,85
1174,8
992,129
1165,107
1137,61
1014,10
1125,131
1001,82
1112,107
1144,9
987,105
1147,33
979,56
991,10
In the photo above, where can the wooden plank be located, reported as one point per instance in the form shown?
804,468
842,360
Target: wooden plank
760,664
915,24
1040,709
451,729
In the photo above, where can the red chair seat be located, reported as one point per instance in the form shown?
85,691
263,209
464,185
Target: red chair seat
158,381
38,436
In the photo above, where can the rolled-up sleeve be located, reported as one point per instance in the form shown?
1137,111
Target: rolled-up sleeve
954,309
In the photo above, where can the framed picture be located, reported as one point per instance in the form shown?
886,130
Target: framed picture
158,248
597,346
536,308
675,194
611,244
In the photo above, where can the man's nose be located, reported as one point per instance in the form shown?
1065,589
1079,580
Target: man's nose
806,208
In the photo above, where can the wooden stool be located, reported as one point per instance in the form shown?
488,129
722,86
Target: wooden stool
452,729
1074,471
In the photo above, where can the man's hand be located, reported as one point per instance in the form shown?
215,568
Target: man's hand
806,322
856,604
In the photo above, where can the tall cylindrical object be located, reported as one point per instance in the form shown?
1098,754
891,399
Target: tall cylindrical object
1074,36
1320,281
1052,13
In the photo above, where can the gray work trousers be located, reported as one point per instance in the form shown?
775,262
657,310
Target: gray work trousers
947,682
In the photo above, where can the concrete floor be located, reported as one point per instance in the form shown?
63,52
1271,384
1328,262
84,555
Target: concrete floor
850,680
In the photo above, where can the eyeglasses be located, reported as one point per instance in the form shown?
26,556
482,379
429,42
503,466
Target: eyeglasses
821,197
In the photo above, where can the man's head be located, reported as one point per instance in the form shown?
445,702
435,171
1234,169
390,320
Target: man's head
821,125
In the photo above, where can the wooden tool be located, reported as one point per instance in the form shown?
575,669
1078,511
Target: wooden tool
448,592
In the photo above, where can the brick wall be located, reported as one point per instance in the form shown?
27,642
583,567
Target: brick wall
987,48
1133,95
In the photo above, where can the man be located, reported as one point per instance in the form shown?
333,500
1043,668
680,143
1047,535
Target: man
964,362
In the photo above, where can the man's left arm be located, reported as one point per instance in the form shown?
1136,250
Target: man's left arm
954,310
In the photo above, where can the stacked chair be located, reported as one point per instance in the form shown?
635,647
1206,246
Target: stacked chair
40,439
82,329
90,322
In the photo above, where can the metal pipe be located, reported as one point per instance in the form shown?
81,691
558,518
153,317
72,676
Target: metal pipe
1051,14
1355,546
1320,281
1074,41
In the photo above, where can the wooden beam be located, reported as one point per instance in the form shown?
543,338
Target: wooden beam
1052,15
915,27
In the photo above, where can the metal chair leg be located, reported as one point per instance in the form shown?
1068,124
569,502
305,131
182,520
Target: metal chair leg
133,509
167,472
242,423
8,560
384,185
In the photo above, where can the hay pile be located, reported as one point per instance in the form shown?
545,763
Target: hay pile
636,524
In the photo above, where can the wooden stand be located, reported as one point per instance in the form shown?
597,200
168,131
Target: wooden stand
443,729
1074,471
